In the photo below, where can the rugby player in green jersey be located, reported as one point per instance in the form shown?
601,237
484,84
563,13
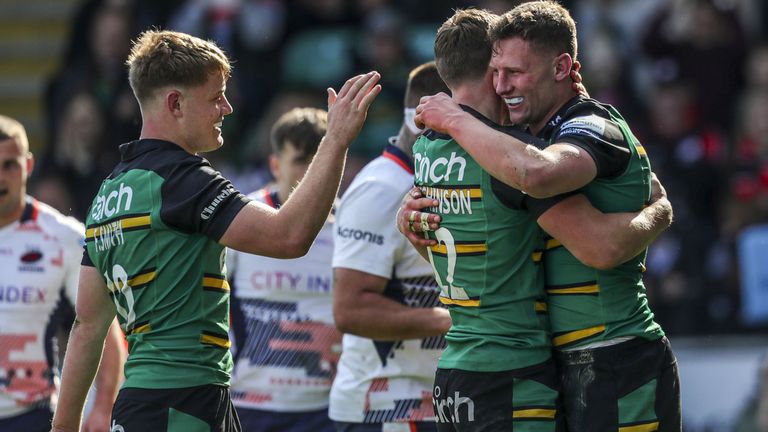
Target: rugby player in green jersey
156,235
496,372
602,325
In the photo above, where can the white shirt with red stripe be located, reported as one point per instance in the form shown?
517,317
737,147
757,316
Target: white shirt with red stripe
287,345
40,264
387,382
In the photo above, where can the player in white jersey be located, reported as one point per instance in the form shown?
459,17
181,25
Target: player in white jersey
385,297
40,251
287,346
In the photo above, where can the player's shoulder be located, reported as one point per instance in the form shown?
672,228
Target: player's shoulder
54,222
381,174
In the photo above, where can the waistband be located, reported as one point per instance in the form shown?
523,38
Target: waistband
608,353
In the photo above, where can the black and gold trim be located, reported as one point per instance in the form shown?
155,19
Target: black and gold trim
470,302
124,223
562,340
215,339
535,413
463,248
142,327
474,192
580,288
645,426
541,307
215,282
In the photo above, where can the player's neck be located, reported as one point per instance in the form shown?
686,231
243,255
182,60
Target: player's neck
12,215
476,96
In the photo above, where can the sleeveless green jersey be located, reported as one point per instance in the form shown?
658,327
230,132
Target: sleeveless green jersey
588,306
152,233
487,263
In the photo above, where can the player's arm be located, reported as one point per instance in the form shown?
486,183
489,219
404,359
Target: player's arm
605,240
95,312
290,231
108,380
360,308
559,168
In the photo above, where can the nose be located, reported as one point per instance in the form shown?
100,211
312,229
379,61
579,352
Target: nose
501,84
227,108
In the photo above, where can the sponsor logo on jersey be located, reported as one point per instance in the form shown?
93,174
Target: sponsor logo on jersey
356,234
591,125
440,169
32,256
116,427
112,203
29,260
13,294
211,208
287,281
453,408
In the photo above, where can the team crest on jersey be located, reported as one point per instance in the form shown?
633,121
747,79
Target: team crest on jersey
29,260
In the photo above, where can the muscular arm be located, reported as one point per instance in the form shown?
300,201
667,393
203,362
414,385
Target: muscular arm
290,231
604,240
95,312
107,382
559,168
360,308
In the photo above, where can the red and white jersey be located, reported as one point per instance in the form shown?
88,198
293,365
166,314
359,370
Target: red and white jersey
40,264
384,381
286,344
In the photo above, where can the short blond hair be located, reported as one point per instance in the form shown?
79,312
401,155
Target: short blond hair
12,129
161,58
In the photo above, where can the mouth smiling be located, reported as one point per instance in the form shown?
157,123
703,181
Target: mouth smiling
513,102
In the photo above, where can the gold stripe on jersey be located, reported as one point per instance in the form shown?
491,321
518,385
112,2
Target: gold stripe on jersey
472,191
644,427
553,243
460,302
575,336
589,288
533,413
125,223
462,248
141,279
640,149
212,282
537,255
221,341
540,307
141,328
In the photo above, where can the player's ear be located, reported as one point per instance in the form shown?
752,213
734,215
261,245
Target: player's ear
274,166
562,66
173,102
30,163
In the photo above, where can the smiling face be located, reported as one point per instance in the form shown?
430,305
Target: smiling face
15,167
203,110
527,82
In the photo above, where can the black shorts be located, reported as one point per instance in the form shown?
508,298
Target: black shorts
206,408
523,400
633,386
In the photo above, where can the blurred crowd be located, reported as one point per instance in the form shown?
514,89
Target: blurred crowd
690,76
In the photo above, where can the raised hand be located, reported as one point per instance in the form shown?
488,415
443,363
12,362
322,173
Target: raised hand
348,109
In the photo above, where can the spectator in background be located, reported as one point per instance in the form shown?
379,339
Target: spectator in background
286,343
681,35
385,297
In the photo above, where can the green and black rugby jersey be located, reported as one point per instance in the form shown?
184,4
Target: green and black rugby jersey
152,232
589,306
487,261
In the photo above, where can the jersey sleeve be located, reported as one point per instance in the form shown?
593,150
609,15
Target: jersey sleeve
366,238
198,199
601,138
